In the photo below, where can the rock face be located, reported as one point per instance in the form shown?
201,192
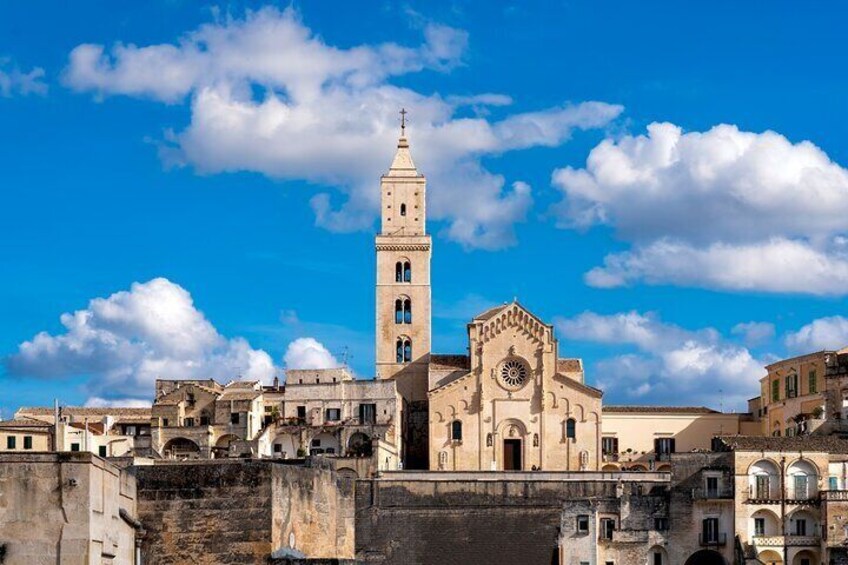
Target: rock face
241,511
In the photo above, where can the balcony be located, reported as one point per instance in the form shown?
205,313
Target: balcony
712,540
790,541
720,493
804,494
610,457
764,495
834,495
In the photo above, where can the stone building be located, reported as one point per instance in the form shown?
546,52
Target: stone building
792,394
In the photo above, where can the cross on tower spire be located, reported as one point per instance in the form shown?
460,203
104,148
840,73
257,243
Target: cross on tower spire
403,113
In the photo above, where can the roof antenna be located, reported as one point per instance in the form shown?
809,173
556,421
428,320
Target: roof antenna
346,356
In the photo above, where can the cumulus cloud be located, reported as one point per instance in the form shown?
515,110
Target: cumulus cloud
724,209
268,95
308,353
126,341
14,81
823,333
671,363
754,333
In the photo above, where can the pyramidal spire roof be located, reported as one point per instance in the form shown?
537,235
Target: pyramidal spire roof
402,164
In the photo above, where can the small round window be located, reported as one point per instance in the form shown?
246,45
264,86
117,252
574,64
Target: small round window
513,374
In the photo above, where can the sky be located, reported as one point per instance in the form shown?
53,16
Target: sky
191,190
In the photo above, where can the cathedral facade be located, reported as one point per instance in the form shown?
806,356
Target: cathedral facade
511,402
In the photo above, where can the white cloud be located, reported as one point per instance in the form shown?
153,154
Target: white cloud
823,333
671,363
97,402
754,333
308,353
268,95
128,340
721,209
15,81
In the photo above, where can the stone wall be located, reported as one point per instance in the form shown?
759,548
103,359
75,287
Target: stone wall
64,508
461,518
241,511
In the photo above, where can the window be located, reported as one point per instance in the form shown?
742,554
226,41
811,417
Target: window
75,447
403,311
661,524
101,451
607,528
762,487
759,526
775,390
368,413
711,484
403,271
801,491
189,422
663,445
801,527
234,418
130,431
27,442
11,442
833,483
301,412
709,530
656,558
812,385
456,430
165,422
571,428
204,420
583,524
278,448
609,445
791,386
403,209
404,350
316,443
333,414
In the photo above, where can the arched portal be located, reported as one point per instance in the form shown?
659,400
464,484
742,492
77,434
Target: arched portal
657,555
222,446
706,557
770,557
359,445
181,448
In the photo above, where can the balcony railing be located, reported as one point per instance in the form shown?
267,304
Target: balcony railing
712,539
802,493
780,541
720,493
771,493
834,495
610,457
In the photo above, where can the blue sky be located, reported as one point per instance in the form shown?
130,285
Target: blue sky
217,166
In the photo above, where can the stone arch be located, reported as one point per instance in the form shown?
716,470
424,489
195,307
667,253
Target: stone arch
637,468
809,554
610,468
805,514
658,549
181,448
770,557
359,445
771,522
285,446
664,468
439,417
347,473
324,443
579,413
552,399
463,405
222,445
706,557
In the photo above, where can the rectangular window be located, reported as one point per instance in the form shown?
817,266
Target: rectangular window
189,422
316,443
301,412
368,413
582,524
101,451
334,414
791,386
234,418
607,528
833,483
278,448
664,445
609,445
27,442
130,431
710,530
801,491
11,442
711,484
775,390
75,447
812,385
657,559
204,420
661,524
762,488
801,527
165,422
759,526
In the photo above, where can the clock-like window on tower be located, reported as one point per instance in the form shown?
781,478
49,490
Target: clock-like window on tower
403,209
404,350
403,310
403,271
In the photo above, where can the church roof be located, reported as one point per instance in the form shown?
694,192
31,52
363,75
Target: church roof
449,362
659,410
490,313
402,164
569,365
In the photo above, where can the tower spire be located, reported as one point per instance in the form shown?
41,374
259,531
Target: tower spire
403,113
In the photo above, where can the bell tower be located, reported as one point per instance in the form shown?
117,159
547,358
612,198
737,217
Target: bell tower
403,276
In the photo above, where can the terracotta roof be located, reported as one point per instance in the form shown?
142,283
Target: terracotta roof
449,362
239,394
93,427
569,365
85,411
24,423
823,443
659,409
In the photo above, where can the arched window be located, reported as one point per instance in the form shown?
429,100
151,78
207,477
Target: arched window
403,209
399,311
571,428
404,350
399,271
407,272
456,430
403,310
407,311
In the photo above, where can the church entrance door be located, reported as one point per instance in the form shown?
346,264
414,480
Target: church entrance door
512,455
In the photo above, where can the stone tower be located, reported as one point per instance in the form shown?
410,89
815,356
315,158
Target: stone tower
403,277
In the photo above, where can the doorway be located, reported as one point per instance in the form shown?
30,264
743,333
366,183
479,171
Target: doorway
512,455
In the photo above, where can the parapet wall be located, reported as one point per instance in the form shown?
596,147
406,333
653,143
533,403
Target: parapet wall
237,512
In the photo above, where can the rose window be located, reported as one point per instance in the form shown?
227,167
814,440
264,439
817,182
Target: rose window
513,373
